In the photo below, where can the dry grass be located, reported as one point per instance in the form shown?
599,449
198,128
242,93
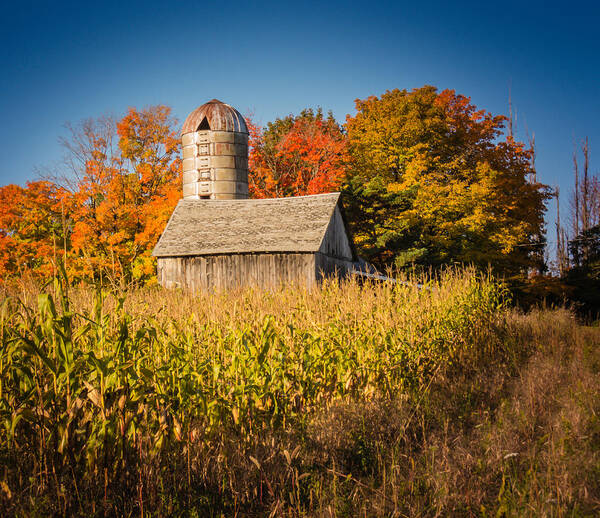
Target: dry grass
345,401
520,438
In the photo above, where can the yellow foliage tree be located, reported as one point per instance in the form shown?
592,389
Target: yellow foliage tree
433,182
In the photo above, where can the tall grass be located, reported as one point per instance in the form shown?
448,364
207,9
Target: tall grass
286,402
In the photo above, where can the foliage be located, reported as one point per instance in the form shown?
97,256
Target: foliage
585,251
297,155
124,202
432,184
111,210
33,228
583,277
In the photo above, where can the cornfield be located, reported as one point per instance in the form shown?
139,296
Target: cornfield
154,403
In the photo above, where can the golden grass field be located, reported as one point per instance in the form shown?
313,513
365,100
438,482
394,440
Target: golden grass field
348,400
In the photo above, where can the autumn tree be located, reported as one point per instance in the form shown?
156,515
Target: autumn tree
433,181
125,194
102,212
34,228
297,155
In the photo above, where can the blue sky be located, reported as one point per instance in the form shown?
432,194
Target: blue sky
68,61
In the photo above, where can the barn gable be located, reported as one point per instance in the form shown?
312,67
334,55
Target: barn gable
300,224
337,242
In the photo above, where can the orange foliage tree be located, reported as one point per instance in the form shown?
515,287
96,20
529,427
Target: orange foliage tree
105,216
34,224
297,155
126,196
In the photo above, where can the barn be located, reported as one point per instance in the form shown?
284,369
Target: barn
217,238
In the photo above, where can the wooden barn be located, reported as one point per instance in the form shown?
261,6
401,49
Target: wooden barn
217,238
223,244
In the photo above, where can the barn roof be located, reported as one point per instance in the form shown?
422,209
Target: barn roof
204,227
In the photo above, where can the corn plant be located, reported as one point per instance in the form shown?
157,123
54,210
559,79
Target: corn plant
106,399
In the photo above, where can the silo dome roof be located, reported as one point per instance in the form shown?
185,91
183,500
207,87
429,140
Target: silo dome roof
219,117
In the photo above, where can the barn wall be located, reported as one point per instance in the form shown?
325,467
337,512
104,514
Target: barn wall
327,266
228,271
336,243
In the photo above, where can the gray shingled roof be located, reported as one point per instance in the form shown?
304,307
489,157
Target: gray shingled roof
201,227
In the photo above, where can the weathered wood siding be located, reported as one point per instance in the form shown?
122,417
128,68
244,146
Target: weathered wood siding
228,271
334,257
336,242
327,266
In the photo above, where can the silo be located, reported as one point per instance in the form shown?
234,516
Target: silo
215,153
